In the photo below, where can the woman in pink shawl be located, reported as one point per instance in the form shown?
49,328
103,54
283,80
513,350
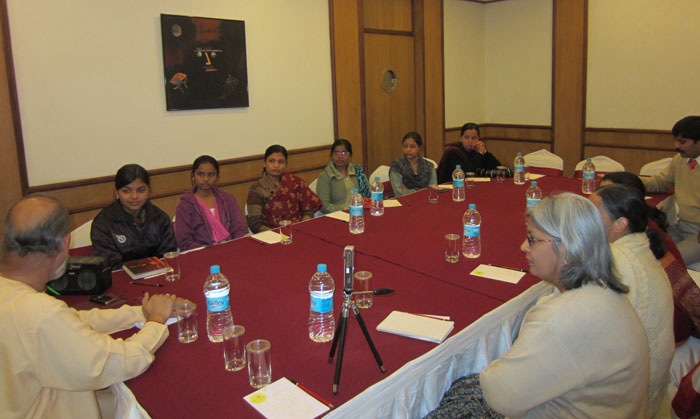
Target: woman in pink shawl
206,214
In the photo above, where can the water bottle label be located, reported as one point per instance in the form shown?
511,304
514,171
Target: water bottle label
216,304
531,202
519,168
472,231
321,303
377,196
589,175
457,183
356,211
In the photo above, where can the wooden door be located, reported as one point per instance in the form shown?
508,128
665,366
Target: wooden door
389,115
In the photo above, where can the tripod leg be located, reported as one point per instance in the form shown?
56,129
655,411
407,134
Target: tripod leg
341,321
368,338
341,348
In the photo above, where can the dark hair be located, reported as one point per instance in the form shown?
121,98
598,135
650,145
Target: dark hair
129,173
470,125
688,127
622,201
44,236
416,137
205,159
631,180
275,149
343,142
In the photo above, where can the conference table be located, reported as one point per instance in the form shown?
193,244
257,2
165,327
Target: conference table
404,249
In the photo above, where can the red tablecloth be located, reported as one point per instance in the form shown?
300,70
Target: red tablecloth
269,295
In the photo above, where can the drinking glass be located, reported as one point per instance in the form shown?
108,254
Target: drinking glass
286,231
234,347
500,174
186,312
173,261
259,363
363,282
469,180
452,250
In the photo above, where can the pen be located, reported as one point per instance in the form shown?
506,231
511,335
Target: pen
52,290
428,316
312,394
505,267
145,284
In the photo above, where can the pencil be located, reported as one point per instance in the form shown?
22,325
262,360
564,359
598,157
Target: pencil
145,284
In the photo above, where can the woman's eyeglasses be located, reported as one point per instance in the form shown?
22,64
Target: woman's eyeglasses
531,240
341,153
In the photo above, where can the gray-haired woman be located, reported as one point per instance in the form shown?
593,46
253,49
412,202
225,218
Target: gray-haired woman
581,350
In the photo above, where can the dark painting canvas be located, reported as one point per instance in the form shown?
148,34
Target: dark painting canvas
205,62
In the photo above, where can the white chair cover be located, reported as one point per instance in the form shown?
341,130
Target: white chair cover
433,162
544,158
382,172
80,237
312,185
658,166
603,164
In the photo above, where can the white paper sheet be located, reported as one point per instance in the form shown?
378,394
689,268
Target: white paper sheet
695,275
340,215
391,203
269,237
445,186
499,274
480,179
282,399
534,176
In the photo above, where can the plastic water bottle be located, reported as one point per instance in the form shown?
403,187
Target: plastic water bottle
458,193
588,185
533,194
357,221
377,204
321,321
519,173
216,290
471,238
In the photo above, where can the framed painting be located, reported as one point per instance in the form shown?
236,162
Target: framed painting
205,62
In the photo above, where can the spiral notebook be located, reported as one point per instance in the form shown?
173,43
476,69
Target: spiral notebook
416,326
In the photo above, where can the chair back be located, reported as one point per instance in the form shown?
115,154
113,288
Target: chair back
603,166
433,162
652,168
80,237
383,173
544,162
312,185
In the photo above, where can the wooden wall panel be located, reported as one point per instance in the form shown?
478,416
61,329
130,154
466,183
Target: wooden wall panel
568,90
346,61
10,171
654,140
433,64
388,15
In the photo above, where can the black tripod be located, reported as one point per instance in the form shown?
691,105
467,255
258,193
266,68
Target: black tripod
348,304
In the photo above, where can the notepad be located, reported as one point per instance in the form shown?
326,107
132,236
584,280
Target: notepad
416,327
339,215
267,236
498,273
282,399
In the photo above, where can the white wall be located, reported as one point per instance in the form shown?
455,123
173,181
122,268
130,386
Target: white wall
498,62
643,63
518,62
91,85
464,62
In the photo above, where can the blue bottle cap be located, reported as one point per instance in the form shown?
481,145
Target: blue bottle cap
472,206
354,190
520,154
588,159
214,269
321,267
459,166
533,183
376,178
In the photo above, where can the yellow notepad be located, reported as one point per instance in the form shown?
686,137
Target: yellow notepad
416,327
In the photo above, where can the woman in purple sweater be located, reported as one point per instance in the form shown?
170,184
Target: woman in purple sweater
206,214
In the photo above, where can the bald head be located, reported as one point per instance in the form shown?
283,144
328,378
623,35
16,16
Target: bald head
35,224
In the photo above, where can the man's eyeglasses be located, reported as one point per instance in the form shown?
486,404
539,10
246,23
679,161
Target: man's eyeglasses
531,240
341,153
